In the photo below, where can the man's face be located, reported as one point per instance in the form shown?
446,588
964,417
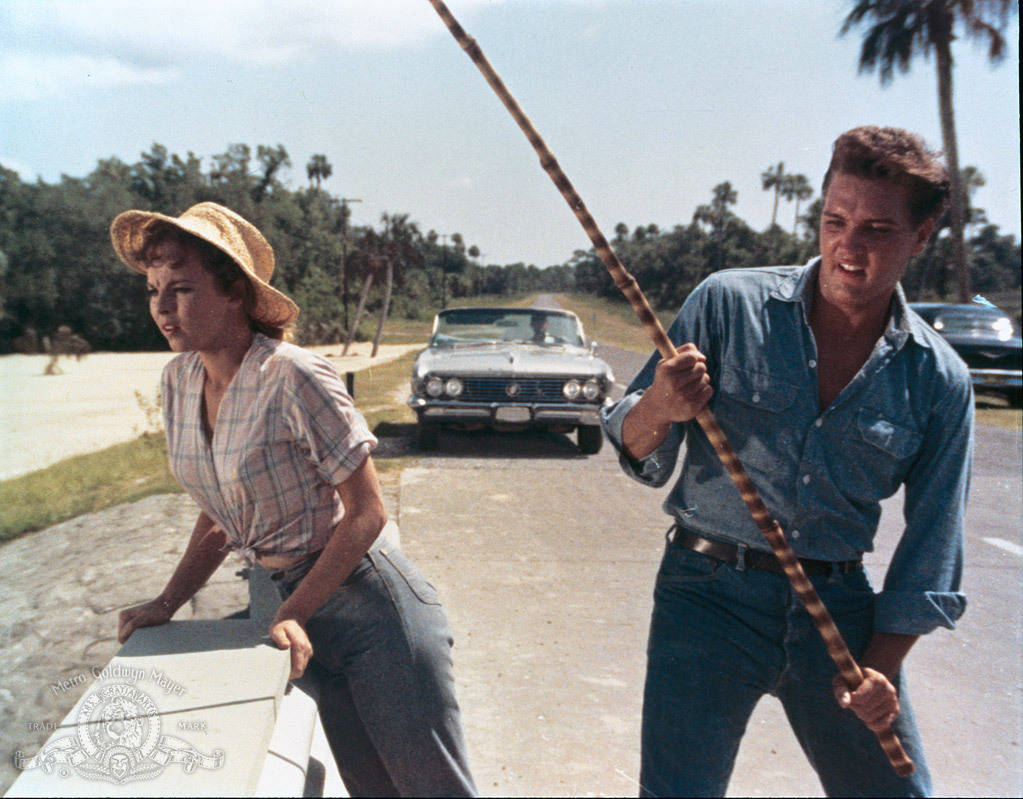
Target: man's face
867,238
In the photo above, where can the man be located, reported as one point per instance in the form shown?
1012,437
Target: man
538,322
834,394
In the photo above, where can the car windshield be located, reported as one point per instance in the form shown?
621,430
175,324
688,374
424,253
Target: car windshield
467,326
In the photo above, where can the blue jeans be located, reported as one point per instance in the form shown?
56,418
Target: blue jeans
720,638
382,655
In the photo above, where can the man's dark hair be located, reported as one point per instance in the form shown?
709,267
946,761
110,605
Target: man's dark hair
899,156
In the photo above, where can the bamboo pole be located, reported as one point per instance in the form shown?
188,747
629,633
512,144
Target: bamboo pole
837,649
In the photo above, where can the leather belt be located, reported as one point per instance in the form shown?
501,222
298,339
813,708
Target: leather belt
754,559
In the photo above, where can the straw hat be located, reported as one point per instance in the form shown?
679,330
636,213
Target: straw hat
227,231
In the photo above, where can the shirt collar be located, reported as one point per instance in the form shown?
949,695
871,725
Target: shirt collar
799,286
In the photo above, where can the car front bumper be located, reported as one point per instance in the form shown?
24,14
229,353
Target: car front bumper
442,412
996,378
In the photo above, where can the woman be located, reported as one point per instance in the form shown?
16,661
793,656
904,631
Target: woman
265,439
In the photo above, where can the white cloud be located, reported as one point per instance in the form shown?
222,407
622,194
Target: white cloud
259,31
52,48
30,76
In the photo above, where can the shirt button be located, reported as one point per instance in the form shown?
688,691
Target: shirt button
812,363
795,534
756,398
818,422
806,479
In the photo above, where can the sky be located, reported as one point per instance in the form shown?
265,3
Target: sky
647,105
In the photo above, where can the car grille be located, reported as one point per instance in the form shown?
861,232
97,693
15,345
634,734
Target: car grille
494,389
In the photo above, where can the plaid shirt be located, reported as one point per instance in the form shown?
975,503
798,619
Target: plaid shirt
286,434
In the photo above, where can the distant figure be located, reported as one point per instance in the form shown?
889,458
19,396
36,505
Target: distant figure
266,440
64,342
539,324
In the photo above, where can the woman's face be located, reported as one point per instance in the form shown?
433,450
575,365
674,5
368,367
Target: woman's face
186,303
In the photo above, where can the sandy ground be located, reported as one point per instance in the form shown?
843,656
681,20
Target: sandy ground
93,404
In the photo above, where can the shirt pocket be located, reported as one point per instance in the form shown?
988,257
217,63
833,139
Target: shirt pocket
874,458
758,390
895,438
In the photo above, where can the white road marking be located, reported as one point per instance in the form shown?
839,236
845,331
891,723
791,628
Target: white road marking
1008,546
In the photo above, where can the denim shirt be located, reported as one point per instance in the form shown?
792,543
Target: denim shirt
905,419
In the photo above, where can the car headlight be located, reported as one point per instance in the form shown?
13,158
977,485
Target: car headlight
453,387
591,390
571,389
434,387
1003,328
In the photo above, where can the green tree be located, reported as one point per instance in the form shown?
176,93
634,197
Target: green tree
719,217
271,160
896,31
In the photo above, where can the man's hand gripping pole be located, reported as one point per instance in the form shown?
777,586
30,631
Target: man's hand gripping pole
839,652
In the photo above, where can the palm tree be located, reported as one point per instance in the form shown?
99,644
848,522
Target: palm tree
318,169
899,29
369,247
774,178
397,246
797,188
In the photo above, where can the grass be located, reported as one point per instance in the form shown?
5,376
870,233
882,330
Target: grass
612,322
136,469
991,411
84,484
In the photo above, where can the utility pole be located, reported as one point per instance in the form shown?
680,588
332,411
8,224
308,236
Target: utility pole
444,271
344,257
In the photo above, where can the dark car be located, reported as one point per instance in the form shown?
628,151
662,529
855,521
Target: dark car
986,339
510,369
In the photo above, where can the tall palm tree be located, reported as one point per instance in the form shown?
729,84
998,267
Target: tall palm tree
397,246
369,247
318,169
774,178
897,30
797,188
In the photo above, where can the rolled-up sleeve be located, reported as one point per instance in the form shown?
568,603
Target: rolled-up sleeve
921,589
689,326
657,467
322,416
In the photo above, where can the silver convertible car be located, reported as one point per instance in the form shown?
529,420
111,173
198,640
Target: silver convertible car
509,369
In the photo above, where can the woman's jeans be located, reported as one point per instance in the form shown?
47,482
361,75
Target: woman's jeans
720,638
382,655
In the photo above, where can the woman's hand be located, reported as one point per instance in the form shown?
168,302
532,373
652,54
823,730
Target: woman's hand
875,702
148,614
289,634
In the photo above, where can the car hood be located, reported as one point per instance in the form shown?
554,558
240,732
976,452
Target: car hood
502,359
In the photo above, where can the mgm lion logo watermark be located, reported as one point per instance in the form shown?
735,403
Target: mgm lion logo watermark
118,740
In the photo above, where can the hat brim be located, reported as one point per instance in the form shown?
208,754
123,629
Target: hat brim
128,234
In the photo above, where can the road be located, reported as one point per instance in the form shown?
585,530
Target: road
546,561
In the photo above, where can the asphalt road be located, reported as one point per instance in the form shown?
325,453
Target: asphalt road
546,561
